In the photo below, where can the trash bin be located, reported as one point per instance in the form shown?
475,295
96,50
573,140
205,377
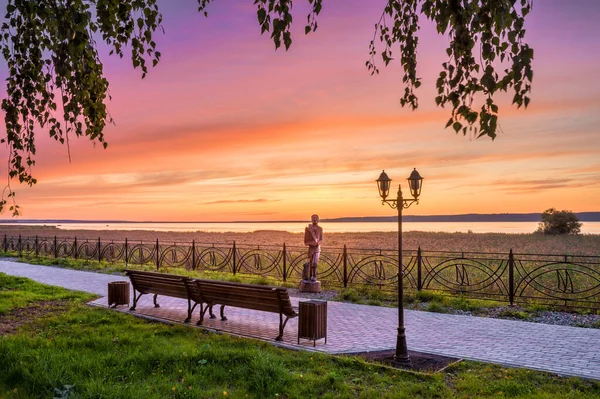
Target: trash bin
312,320
118,293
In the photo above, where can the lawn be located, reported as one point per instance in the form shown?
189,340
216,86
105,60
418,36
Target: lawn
57,346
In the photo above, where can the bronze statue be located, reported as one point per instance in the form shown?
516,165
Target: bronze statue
313,236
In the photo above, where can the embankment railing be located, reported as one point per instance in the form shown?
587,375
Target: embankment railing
564,280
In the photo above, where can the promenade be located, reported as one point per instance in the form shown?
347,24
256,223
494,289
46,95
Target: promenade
352,328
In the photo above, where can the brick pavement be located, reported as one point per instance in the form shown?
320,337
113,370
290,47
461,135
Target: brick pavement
352,328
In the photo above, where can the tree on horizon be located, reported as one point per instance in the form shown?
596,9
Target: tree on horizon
556,222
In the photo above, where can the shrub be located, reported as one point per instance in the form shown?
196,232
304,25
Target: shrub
559,222
514,314
374,302
428,296
350,295
537,307
435,306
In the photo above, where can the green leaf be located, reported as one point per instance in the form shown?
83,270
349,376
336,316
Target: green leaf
262,15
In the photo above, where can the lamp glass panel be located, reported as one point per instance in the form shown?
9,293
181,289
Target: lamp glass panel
384,188
383,185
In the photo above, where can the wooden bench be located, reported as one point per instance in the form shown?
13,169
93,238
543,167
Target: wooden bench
247,296
163,284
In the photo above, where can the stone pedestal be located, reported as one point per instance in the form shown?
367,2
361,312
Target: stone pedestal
310,286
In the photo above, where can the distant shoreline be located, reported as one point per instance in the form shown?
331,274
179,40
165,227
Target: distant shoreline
470,217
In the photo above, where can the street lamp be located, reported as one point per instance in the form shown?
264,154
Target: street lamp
415,183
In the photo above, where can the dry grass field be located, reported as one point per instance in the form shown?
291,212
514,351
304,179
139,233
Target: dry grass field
464,242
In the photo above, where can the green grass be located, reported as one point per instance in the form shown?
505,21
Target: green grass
428,296
91,352
435,306
422,300
79,264
19,292
537,307
367,295
120,267
515,314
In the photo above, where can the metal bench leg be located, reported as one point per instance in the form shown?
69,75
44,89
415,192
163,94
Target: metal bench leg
190,311
203,310
156,305
212,315
281,327
222,315
135,300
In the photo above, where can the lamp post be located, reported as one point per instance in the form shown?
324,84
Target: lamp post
415,183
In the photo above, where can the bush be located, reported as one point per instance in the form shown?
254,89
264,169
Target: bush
436,307
514,314
559,222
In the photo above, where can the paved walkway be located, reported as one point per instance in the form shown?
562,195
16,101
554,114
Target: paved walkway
352,328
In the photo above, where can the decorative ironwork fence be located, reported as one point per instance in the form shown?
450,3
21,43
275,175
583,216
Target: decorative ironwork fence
565,280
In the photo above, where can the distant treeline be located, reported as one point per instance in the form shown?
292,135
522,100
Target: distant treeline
469,217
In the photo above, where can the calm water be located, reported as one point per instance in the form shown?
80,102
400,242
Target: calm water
448,227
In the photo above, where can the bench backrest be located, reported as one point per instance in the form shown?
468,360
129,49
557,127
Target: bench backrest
158,283
249,296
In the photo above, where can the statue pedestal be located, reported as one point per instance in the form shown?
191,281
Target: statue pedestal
310,286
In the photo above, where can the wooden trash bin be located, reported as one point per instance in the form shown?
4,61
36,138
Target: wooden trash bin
312,320
118,293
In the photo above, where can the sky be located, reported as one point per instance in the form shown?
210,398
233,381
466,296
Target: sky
225,128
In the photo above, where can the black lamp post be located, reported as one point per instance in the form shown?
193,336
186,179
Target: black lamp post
415,183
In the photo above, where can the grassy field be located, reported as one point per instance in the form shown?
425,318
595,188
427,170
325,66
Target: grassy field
467,242
59,347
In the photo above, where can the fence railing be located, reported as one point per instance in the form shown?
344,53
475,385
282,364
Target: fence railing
564,280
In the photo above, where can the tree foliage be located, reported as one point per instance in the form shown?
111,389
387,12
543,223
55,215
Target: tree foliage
559,222
56,79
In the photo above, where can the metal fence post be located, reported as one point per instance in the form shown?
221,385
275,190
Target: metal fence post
5,244
99,250
511,278
157,254
55,248
234,258
193,255
126,254
37,248
75,251
345,260
419,276
284,263
20,246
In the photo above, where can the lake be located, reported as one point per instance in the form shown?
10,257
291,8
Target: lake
331,227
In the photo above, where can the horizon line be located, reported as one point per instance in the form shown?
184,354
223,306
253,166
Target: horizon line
345,219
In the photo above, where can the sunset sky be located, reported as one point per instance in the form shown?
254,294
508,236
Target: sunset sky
226,128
